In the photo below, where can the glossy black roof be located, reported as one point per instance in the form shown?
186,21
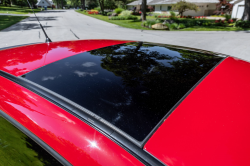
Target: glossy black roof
132,86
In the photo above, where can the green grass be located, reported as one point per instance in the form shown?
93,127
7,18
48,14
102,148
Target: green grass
6,21
14,149
17,10
137,24
123,23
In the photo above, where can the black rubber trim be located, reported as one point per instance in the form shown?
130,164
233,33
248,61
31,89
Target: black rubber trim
3,48
178,103
97,124
36,139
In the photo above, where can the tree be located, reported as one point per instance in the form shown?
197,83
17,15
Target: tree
246,14
83,4
101,4
223,7
109,4
143,12
183,6
91,4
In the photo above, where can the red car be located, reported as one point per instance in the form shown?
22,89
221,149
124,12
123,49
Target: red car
110,102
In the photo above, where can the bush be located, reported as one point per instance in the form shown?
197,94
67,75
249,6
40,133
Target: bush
173,26
109,13
93,12
172,14
118,10
168,25
181,26
228,17
242,24
149,23
126,13
206,23
98,9
104,13
123,18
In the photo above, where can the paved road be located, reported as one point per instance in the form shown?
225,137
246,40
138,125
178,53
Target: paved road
70,25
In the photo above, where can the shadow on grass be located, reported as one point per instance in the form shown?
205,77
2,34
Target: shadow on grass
27,24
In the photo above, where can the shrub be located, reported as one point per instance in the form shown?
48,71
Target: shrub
149,23
130,17
228,17
206,23
123,18
126,13
168,25
93,12
172,14
174,26
104,13
109,13
242,24
181,26
190,24
198,23
98,9
118,10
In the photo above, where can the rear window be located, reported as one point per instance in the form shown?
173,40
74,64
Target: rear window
132,86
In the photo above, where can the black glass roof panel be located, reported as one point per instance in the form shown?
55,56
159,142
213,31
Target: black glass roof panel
132,85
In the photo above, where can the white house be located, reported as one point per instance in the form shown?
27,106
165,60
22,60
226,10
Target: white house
206,7
238,9
42,3
137,4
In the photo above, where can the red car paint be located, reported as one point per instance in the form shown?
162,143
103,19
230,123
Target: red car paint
20,60
73,139
211,126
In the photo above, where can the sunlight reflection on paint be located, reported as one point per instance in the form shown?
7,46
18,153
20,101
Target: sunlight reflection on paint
93,144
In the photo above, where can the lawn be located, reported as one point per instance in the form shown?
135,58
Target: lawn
137,24
16,10
6,21
123,23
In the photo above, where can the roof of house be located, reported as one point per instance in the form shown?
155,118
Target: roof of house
49,3
160,2
138,2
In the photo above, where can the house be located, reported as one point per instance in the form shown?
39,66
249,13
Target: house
206,7
238,9
42,3
137,5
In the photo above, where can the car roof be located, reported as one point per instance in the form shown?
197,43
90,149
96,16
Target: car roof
131,86
25,60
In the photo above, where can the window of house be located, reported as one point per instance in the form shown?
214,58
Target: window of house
169,7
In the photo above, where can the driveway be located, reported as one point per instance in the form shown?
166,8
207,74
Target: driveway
70,25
